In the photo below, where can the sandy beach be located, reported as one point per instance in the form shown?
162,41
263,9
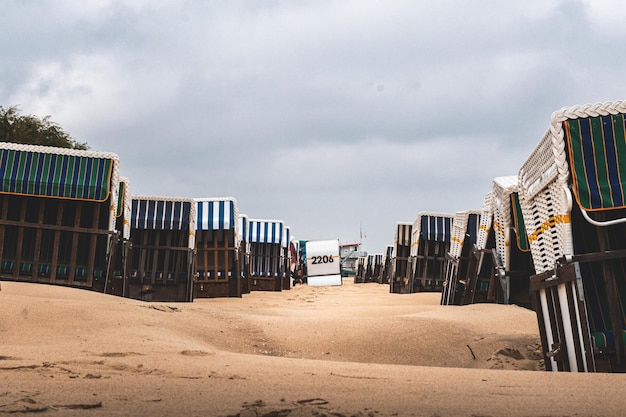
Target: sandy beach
351,350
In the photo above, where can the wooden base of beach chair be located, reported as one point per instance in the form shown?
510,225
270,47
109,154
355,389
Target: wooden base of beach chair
160,266
266,267
217,265
211,289
429,267
54,241
400,281
265,284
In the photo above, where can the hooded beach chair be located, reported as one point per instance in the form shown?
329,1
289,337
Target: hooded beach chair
217,248
162,258
480,285
465,229
387,265
430,242
265,247
513,260
57,215
573,201
360,270
377,270
399,281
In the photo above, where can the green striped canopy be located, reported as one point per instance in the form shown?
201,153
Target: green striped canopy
120,199
518,223
597,155
55,175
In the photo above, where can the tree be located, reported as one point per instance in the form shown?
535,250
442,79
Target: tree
32,130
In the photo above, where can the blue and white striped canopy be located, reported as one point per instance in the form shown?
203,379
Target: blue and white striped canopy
216,214
436,228
160,214
265,231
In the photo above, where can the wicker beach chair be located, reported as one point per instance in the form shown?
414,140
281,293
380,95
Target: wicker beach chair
162,258
480,285
359,267
57,215
430,242
387,265
572,196
265,246
465,229
217,248
513,259
399,281
377,270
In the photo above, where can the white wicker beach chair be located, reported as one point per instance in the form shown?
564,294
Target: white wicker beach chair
591,137
460,229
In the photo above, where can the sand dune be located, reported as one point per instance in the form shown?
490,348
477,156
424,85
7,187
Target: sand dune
354,350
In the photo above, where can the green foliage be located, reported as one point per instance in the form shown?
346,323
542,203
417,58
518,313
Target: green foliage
32,130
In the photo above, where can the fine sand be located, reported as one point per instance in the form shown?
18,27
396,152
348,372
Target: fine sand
351,350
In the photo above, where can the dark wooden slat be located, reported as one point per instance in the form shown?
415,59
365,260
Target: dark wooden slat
92,248
73,254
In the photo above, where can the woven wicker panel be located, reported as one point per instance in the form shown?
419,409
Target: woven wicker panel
460,229
547,217
503,187
486,218
458,233
542,166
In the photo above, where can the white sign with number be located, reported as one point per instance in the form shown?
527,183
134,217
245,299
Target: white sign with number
323,263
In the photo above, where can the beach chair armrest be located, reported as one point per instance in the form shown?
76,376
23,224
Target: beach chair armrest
601,223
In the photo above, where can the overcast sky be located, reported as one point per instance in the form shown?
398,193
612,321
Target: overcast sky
338,117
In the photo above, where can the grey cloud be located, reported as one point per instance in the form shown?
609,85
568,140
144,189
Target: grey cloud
325,114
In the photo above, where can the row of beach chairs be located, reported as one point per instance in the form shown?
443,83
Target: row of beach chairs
67,217
551,238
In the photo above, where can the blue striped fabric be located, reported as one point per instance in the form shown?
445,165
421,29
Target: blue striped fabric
473,223
265,231
160,214
436,228
403,234
216,214
286,236
264,262
243,227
